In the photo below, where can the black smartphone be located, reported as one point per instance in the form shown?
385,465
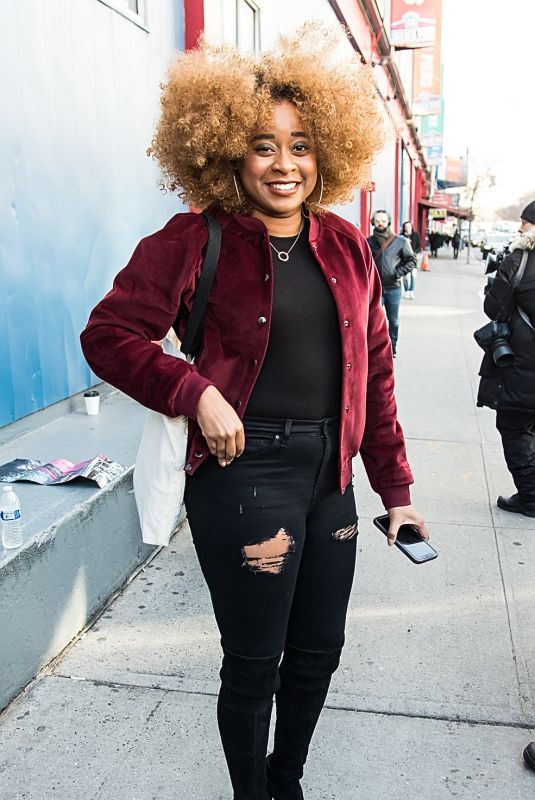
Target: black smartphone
409,541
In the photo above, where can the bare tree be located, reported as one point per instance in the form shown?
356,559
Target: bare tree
483,180
515,209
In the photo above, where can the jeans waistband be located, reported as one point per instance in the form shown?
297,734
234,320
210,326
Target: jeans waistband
291,427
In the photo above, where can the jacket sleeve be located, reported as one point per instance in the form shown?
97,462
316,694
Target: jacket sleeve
500,296
407,259
383,446
139,310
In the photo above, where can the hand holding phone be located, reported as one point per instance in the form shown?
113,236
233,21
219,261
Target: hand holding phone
408,540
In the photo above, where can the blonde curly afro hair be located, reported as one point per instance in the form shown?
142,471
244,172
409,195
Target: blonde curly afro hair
215,99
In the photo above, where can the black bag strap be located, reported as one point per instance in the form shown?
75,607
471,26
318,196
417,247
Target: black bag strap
517,277
525,318
387,243
195,324
514,283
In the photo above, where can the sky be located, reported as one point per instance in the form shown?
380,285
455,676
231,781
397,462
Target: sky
488,52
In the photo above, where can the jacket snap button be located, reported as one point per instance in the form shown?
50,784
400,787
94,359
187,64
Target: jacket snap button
262,320
333,280
188,467
346,323
347,408
199,453
266,277
255,362
238,403
348,365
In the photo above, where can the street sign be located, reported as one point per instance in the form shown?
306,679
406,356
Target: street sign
456,171
440,199
414,23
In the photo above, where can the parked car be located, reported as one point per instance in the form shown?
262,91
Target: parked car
494,243
478,237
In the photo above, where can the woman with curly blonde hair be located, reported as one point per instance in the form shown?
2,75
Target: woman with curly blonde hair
293,379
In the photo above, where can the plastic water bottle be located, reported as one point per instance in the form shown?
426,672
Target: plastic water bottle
10,519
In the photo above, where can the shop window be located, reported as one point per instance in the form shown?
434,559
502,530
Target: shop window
247,26
134,10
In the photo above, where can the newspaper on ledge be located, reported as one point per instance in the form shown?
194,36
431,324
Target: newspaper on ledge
100,469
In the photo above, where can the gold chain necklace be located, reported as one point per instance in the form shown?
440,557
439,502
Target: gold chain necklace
284,255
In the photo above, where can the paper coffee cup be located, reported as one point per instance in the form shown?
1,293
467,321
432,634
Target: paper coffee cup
92,402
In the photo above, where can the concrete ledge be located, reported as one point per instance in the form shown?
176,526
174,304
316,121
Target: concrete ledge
80,542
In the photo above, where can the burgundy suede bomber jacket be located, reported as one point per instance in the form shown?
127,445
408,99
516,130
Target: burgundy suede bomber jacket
156,288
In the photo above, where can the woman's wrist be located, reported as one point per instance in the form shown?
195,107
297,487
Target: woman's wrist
396,496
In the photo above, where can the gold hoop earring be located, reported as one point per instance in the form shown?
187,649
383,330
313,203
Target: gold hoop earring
307,206
236,187
321,189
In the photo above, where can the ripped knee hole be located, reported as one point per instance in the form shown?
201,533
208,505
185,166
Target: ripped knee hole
270,555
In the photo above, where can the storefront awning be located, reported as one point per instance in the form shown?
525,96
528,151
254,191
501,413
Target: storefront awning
460,213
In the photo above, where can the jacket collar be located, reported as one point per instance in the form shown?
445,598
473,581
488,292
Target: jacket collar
252,229
525,242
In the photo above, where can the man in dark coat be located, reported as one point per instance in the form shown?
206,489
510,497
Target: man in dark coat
394,258
511,389
456,242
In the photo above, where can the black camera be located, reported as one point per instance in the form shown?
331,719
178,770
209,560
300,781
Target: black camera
494,338
495,259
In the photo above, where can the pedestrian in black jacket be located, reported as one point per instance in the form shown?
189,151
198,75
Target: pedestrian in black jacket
456,242
409,280
511,390
436,240
394,258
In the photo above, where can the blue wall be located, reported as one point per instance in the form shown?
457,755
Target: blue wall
77,189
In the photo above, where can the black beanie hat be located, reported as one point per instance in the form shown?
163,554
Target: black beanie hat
529,213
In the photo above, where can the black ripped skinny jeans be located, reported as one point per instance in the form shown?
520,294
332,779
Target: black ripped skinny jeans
276,542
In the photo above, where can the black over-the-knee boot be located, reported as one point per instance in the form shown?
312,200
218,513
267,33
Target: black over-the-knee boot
305,677
243,714
517,429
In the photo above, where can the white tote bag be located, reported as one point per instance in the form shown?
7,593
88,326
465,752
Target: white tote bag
159,473
159,477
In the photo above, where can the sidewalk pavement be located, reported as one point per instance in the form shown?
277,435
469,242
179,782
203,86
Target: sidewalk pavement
435,694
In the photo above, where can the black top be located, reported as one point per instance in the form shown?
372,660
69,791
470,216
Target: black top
301,374
416,242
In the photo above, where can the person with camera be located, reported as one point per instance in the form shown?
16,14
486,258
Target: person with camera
394,258
508,367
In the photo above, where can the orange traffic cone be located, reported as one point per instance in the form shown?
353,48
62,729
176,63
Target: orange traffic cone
425,262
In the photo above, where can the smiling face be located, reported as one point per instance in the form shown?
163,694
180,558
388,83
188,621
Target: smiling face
279,171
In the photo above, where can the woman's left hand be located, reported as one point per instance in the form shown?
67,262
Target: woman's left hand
404,515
